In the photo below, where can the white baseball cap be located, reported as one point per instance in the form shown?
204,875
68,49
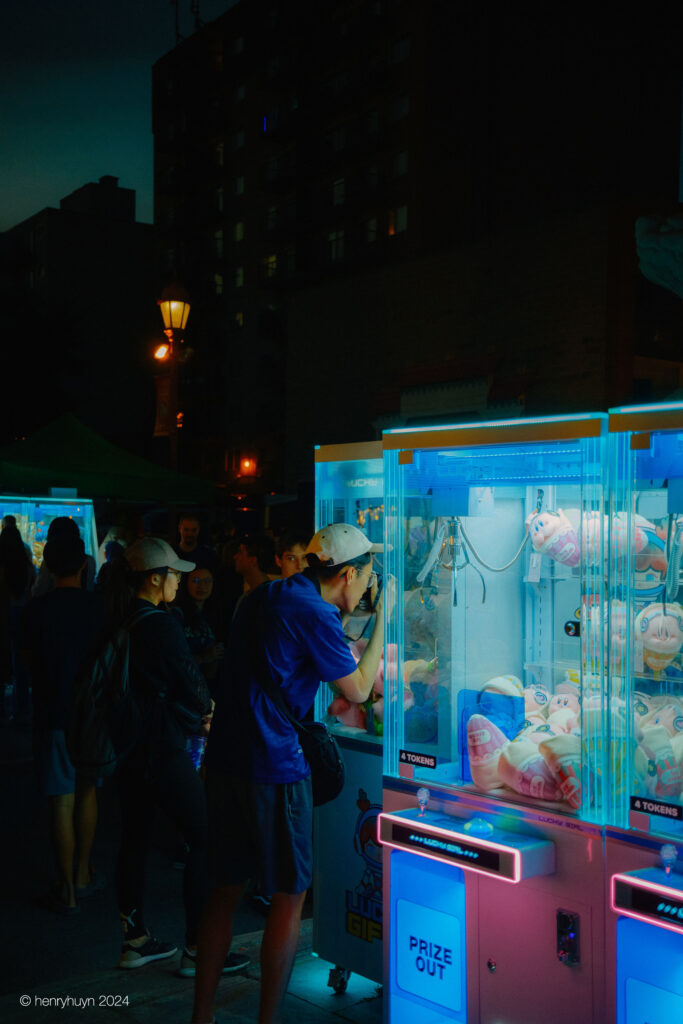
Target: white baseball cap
155,553
339,543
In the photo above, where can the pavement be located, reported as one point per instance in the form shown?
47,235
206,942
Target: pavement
64,968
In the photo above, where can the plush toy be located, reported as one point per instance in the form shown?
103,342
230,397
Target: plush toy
485,741
536,700
669,716
563,701
562,754
522,767
651,560
570,683
552,534
347,712
656,763
660,628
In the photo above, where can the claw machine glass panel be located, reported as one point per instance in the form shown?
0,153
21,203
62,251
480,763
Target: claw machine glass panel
34,516
347,925
495,538
644,837
494,756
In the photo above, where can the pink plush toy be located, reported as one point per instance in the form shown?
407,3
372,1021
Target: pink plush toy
521,767
553,535
562,701
485,741
660,628
348,713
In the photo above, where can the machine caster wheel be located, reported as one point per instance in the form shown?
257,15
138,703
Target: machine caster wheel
338,979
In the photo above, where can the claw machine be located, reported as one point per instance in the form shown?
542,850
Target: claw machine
494,756
34,516
644,835
347,921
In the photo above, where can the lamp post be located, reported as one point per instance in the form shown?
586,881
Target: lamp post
175,309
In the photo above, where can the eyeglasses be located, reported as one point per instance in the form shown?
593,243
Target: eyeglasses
372,580
175,572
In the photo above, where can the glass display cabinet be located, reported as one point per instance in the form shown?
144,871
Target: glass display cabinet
496,538
644,658
347,924
34,516
495,759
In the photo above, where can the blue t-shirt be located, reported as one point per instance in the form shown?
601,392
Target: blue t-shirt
305,644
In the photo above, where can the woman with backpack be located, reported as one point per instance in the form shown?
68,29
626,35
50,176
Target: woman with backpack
174,703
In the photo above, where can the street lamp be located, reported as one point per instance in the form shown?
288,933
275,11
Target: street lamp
175,309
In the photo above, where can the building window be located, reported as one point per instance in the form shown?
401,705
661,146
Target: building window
239,185
335,242
219,151
239,319
400,50
371,230
338,192
399,165
398,220
237,140
239,277
269,264
218,243
238,231
218,283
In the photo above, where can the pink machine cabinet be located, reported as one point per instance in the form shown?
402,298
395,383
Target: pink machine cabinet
495,762
644,815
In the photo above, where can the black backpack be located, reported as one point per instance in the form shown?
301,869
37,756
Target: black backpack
104,721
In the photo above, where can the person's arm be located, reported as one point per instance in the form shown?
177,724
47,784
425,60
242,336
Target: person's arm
358,685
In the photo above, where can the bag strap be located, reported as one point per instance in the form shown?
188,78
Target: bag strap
138,614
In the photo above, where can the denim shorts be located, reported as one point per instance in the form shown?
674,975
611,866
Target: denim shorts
260,831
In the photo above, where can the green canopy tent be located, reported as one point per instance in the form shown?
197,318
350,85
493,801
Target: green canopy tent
67,453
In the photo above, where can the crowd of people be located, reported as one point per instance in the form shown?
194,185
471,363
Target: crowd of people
209,746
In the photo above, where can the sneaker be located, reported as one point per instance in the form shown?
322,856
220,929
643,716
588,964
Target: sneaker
234,962
138,956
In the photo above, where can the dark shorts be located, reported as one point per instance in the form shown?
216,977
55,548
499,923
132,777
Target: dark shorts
260,831
55,772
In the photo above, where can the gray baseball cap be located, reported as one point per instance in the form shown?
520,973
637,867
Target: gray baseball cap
155,553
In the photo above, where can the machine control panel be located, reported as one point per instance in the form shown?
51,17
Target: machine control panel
505,855
653,895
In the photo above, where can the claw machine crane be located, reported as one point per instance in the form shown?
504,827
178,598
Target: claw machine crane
494,757
347,924
644,835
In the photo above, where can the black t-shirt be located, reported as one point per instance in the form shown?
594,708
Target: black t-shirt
57,631
161,665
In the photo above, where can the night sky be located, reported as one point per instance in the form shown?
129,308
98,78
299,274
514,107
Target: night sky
75,96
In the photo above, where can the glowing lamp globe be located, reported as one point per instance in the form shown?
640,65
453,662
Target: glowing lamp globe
175,307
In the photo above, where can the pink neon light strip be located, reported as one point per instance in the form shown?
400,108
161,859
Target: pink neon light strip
448,834
660,890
